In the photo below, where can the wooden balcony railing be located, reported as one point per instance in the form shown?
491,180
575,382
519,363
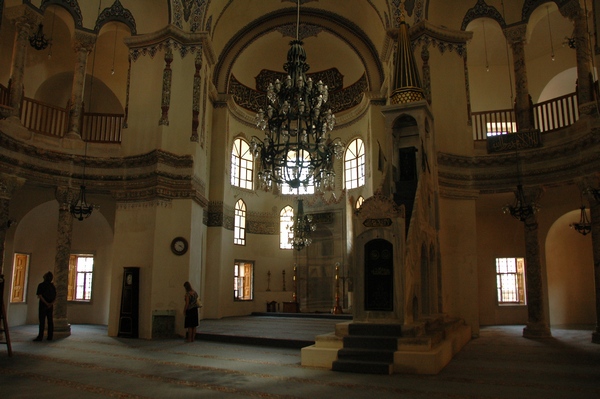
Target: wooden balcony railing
43,118
53,121
102,128
556,113
547,116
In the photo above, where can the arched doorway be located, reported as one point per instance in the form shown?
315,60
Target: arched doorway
570,271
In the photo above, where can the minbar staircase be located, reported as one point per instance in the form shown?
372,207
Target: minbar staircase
368,348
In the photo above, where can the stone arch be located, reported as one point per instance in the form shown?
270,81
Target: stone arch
71,6
116,13
570,273
482,10
347,31
36,234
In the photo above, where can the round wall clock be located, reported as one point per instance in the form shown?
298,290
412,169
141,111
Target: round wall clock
179,245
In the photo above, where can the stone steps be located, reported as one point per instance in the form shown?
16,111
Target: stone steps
368,348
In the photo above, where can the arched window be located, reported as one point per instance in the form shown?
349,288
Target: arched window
239,223
291,171
286,220
354,164
241,164
359,202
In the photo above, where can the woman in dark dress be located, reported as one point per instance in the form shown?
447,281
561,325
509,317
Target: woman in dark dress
191,311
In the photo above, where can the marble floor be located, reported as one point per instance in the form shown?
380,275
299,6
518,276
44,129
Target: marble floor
500,363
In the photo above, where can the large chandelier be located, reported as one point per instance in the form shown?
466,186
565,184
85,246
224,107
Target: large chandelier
300,231
39,41
521,209
297,148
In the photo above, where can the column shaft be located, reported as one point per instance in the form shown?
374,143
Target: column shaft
523,106
61,261
17,76
83,46
537,325
585,89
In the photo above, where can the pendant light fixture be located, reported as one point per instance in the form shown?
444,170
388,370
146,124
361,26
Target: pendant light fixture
80,209
297,149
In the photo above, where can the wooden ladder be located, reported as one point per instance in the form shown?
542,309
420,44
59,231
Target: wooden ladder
4,333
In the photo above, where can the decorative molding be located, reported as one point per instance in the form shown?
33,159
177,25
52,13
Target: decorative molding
155,203
157,174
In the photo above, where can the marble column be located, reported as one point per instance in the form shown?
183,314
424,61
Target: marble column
585,84
83,45
8,185
523,106
594,202
64,196
537,323
25,21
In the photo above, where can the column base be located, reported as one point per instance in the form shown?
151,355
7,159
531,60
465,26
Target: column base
536,331
62,328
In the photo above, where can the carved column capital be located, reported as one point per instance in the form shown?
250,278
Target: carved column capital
23,17
84,42
65,197
9,184
516,34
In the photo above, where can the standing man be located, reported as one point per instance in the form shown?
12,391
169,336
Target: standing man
47,294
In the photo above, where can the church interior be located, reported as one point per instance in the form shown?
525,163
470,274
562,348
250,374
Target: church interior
425,167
